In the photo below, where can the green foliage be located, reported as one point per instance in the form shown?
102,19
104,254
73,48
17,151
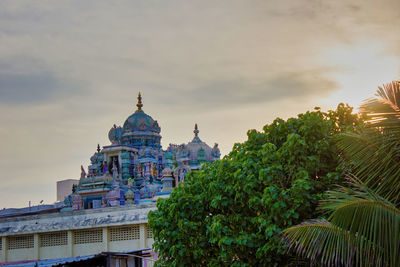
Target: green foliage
374,153
363,230
364,225
313,236
231,213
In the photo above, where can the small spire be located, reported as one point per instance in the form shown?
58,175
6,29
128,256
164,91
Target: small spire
139,103
196,130
98,148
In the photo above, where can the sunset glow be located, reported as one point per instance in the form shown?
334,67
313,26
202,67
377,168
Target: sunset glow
359,69
69,71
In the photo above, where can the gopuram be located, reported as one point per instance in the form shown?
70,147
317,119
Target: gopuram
134,168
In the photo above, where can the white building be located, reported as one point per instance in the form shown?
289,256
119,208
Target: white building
32,237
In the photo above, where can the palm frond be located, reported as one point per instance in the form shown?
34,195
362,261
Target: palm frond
364,222
384,111
375,152
323,242
375,159
361,211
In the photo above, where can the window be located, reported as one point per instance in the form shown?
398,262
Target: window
53,239
19,242
149,233
88,236
125,233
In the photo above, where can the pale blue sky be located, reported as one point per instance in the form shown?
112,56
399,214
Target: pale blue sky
69,70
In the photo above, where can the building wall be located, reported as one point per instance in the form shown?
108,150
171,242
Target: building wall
64,188
62,244
53,252
75,233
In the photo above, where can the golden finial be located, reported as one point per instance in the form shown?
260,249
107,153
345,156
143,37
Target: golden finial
196,130
139,103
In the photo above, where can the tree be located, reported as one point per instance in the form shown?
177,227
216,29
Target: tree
364,226
231,212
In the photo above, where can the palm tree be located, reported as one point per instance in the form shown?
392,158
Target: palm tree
363,228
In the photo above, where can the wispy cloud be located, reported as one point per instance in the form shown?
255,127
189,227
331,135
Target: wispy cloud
26,81
69,70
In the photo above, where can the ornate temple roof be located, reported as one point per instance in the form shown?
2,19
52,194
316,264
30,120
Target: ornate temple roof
196,138
140,121
199,150
136,153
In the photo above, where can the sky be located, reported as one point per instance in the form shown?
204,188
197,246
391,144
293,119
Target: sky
69,70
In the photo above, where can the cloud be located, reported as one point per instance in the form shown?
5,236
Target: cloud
69,70
28,80
220,94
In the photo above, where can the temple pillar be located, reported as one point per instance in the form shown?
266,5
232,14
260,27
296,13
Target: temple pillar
147,169
167,180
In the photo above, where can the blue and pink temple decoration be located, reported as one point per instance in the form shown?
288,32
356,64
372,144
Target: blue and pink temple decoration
135,169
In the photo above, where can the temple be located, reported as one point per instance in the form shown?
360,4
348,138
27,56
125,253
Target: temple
103,222
134,169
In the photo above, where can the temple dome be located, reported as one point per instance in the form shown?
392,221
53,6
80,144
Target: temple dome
199,151
196,144
140,121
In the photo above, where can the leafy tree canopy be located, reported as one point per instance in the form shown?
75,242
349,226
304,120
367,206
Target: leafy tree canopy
363,228
231,212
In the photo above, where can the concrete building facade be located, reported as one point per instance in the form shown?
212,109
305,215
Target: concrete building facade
75,233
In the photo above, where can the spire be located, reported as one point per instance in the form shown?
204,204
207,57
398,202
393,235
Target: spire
196,130
98,148
196,138
139,103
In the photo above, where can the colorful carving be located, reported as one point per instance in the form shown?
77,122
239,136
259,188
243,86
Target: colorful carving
76,201
135,151
154,170
113,196
140,170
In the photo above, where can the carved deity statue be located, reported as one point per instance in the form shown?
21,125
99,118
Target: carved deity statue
154,171
83,173
115,171
139,170
104,168
215,151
